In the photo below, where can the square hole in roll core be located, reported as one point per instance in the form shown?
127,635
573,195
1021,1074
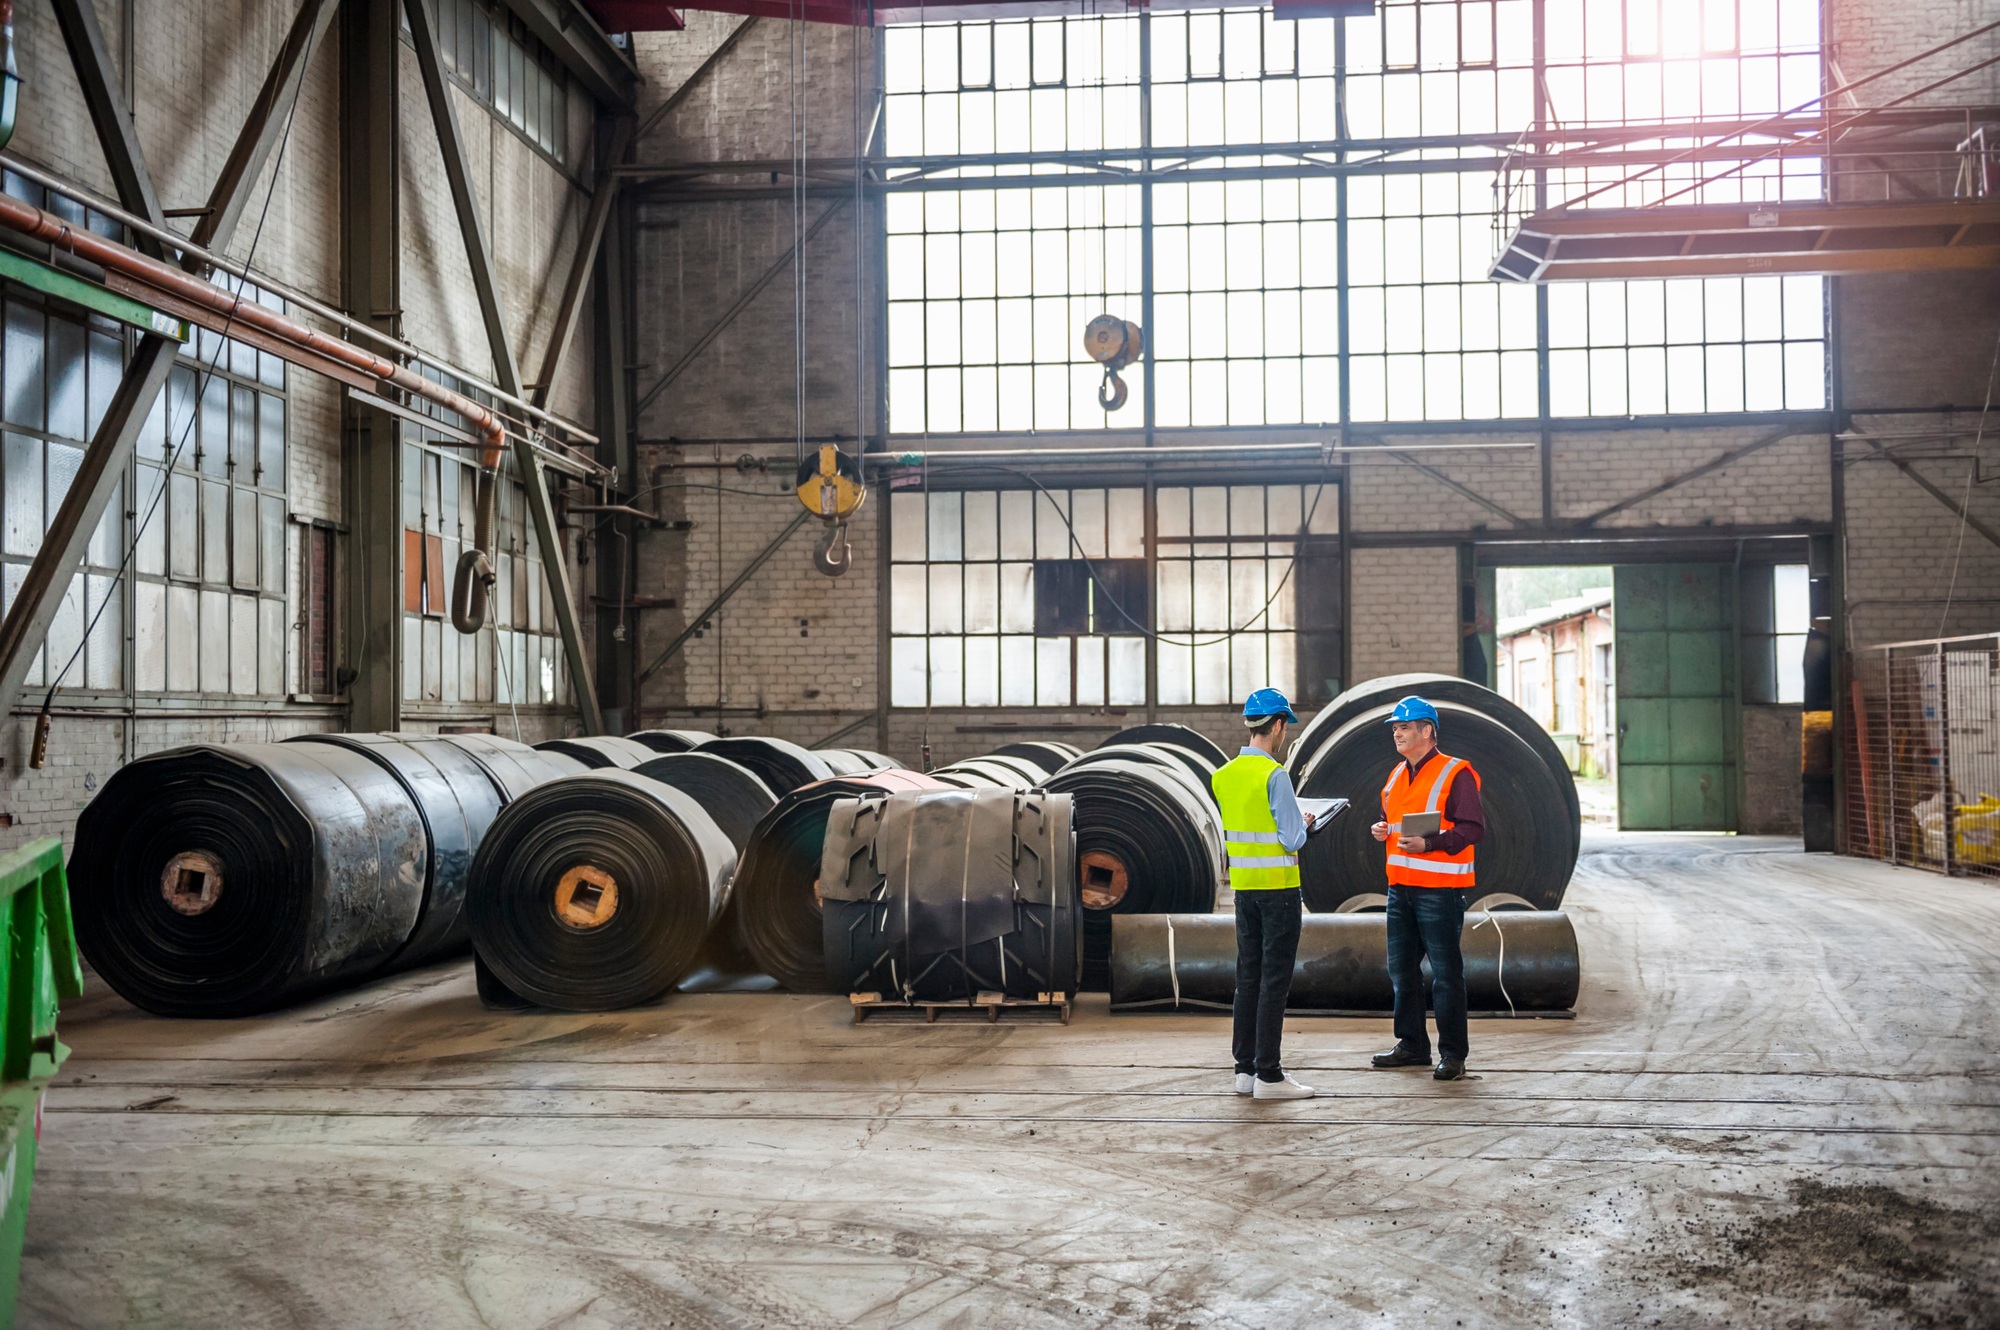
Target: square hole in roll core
588,895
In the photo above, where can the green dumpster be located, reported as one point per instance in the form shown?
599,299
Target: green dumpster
38,965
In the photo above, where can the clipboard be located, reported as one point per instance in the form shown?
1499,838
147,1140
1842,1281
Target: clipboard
1420,824
1323,811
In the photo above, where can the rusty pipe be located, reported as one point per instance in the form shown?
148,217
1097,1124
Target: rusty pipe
474,580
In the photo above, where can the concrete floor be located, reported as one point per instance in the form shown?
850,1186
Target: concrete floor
1777,1105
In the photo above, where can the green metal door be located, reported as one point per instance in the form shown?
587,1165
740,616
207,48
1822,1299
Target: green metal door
1675,632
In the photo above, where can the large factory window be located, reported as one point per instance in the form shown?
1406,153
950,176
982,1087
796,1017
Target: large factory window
1029,598
1003,240
492,55
203,600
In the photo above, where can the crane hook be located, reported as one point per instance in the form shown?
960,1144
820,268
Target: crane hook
833,555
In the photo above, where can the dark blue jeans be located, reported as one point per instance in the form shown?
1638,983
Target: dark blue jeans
1426,922
1267,945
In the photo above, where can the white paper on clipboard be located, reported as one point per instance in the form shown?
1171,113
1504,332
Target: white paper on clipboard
1322,812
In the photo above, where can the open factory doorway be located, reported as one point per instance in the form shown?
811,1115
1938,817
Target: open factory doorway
1555,657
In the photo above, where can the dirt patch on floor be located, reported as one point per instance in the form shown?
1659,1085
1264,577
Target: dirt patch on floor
1925,1263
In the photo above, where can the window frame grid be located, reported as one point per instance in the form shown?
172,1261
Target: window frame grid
1498,391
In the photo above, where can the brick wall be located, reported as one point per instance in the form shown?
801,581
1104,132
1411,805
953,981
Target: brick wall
1402,618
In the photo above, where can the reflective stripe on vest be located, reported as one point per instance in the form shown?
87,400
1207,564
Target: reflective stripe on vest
1257,858
1435,869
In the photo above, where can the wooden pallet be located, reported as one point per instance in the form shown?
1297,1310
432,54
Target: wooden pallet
990,1005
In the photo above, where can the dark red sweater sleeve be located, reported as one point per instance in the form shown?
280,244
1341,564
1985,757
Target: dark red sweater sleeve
1468,817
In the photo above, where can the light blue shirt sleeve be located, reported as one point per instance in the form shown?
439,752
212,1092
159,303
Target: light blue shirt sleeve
1285,811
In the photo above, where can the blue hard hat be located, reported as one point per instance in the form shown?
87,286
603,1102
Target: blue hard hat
1268,702
1413,708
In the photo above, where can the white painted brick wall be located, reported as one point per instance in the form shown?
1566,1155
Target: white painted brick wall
1404,616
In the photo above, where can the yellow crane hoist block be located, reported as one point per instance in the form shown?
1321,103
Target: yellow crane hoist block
830,485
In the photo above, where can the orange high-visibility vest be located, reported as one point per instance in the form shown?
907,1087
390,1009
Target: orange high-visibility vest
1428,795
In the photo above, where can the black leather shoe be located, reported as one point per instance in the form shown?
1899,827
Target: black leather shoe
1449,1069
1400,1056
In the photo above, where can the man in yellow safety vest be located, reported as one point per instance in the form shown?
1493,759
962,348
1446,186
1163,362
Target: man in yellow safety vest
1430,873
1262,829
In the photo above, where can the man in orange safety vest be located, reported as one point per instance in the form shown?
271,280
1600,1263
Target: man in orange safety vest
1429,876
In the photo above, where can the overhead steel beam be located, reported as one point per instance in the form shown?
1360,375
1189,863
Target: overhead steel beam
1925,483
1716,463
742,303
102,95
507,371
602,198
709,610
699,77
266,122
1457,488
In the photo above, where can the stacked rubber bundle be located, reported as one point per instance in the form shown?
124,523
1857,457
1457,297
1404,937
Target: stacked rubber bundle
600,751
944,896
514,767
596,891
779,763
1046,757
1516,962
222,881
1178,735
1148,840
777,883
852,761
992,772
671,741
1155,753
1533,830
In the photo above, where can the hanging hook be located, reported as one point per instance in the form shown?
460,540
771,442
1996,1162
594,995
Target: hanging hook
833,555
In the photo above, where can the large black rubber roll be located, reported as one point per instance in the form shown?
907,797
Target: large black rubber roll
858,759
776,896
779,763
1531,839
600,751
729,793
222,881
1516,962
1384,692
671,741
1049,757
457,801
1192,740
1148,841
595,891
514,767
1155,754
736,799
945,895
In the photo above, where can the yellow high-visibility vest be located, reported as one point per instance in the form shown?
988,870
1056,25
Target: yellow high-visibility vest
1258,860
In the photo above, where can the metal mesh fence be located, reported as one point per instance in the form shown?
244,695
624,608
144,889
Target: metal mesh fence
1922,754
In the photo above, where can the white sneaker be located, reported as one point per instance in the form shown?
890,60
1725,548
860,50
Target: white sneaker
1246,1084
1285,1089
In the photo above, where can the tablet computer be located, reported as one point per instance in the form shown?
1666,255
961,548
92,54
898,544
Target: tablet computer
1420,824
